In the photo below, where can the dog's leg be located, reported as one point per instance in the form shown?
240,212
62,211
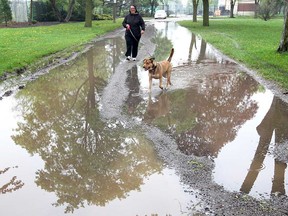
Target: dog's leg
150,82
167,83
168,78
160,83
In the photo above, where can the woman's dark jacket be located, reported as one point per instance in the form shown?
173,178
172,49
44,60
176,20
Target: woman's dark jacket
136,23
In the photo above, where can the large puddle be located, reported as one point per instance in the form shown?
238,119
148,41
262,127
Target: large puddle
65,147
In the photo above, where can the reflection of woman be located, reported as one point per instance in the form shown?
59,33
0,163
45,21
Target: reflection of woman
135,27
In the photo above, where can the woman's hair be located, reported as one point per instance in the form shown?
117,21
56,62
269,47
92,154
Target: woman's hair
136,11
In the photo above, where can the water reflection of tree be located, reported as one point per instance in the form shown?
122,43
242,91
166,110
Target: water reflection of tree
203,119
222,105
86,160
192,44
202,53
12,185
164,45
276,120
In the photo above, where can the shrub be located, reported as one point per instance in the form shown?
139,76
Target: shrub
103,17
5,11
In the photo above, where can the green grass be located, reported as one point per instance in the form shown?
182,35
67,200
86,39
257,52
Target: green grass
250,41
22,47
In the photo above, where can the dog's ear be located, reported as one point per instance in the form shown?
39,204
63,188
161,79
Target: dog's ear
152,58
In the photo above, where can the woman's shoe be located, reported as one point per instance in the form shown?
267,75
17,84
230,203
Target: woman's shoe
128,58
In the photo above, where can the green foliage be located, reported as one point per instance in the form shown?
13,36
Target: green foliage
250,41
103,17
78,11
43,12
5,11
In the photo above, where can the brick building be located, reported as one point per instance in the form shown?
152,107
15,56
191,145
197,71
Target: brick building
241,8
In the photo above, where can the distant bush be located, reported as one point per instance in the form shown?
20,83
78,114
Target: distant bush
269,8
43,12
5,11
103,17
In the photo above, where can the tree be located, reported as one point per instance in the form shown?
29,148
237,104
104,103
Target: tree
12,185
31,11
5,11
69,11
256,8
283,47
205,12
58,12
153,4
269,8
232,4
88,13
195,6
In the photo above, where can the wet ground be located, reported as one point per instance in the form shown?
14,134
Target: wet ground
87,138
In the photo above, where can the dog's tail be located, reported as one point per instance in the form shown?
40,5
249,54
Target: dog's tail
171,54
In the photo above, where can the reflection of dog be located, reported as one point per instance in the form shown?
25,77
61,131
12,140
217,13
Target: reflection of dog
157,109
159,69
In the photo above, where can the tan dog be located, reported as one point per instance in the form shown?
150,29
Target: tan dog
157,70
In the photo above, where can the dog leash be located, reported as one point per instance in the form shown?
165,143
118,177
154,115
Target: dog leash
133,35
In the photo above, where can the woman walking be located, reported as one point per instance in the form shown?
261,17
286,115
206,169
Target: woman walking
135,27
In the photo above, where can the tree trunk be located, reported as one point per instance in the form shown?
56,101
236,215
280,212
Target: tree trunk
256,8
152,10
283,47
152,6
70,10
56,11
31,12
232,4
205,12
195,6
88,13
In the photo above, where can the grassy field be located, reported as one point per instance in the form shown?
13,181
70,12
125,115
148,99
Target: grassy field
250,41
21,47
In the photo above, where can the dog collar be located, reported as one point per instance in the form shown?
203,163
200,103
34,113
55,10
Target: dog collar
154,69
